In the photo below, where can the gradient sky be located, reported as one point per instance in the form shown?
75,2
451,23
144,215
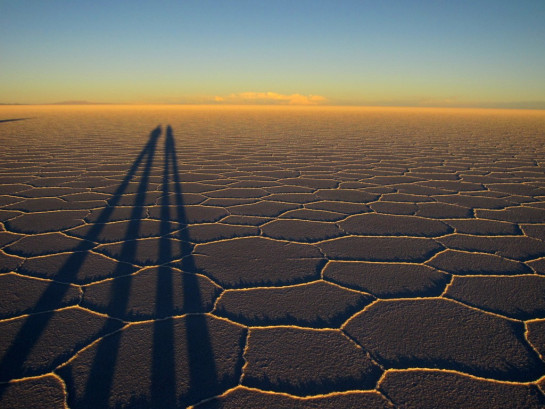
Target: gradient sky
436,52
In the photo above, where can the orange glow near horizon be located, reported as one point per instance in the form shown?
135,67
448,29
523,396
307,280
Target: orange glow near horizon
6,110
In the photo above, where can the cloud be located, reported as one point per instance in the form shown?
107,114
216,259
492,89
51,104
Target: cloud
264,98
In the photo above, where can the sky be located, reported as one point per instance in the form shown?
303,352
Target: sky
477,53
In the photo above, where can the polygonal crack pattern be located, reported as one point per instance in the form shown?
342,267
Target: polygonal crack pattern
196,265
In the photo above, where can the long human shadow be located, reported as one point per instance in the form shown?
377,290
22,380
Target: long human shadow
200,362
203,376
99,383
12,363
163,380
163,372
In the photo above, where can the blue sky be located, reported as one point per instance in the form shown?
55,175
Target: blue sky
451,53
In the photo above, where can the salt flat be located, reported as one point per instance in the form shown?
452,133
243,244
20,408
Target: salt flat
278,257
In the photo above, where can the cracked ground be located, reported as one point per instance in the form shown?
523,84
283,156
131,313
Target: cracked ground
271,258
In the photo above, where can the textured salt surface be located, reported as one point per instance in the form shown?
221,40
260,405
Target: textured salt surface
289,258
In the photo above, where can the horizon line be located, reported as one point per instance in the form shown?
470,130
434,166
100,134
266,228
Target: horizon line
498,106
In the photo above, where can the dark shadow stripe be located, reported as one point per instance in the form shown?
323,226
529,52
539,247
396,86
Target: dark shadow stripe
99,383
13,120
163,374
202,367
12,362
